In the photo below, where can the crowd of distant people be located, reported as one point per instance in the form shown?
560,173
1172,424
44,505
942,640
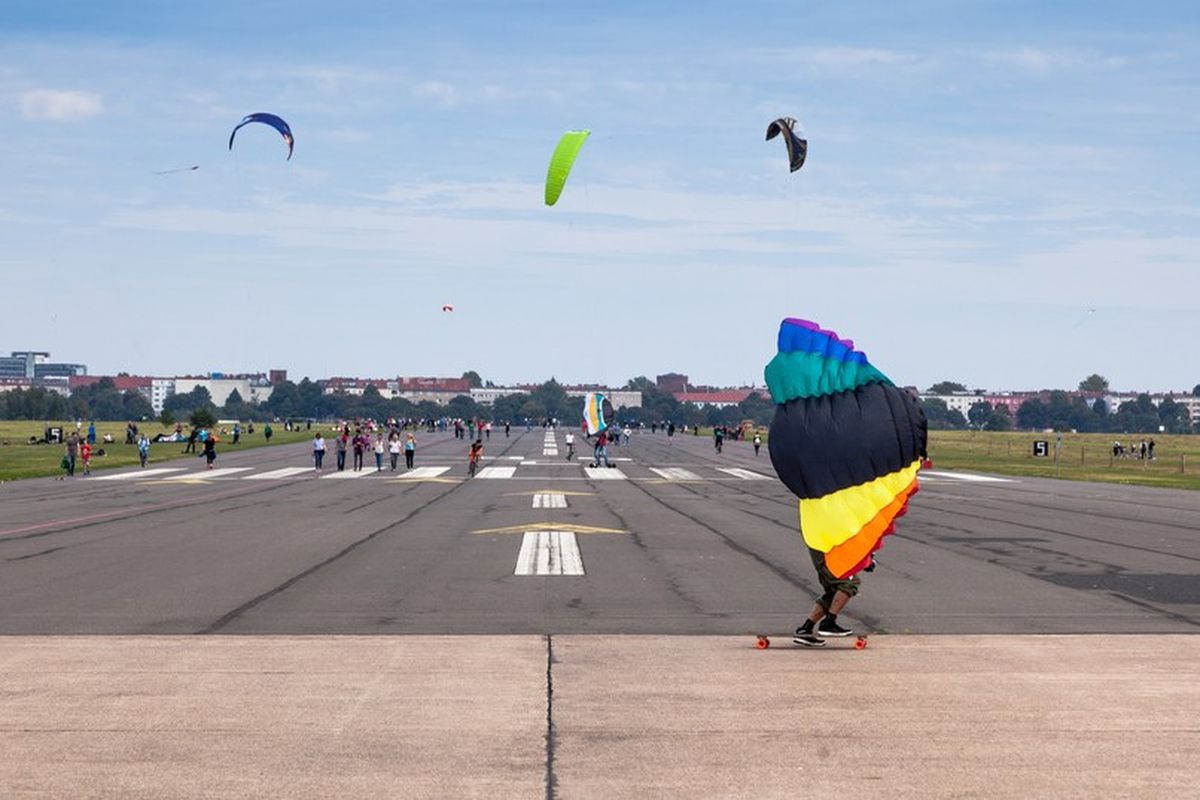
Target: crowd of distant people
1143,450
386,442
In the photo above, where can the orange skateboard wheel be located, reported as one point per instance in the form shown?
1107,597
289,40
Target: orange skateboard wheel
860,643
763,643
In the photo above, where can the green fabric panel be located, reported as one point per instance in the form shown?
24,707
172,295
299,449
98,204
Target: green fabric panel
800,374
561,162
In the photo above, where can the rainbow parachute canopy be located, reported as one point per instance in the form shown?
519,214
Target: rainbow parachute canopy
561,163
844,440
597,413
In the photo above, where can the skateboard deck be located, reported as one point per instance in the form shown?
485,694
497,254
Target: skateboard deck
762,641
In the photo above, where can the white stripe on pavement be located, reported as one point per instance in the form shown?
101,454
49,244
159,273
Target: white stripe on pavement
124,476
497,473
205,474
744,474
424,472
549,500
278,474
604,473
963,476
349,473
549,553
675,473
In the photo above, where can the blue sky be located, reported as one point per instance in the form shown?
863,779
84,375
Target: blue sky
980,175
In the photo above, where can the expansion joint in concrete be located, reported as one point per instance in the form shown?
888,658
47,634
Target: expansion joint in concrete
551,736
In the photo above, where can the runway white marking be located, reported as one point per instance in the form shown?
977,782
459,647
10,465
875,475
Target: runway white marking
513,458
205,474
549,553
496,473
605,474
348,474
675,473
744,474
279,474
550,452
424,472
963,476
549,500
124,476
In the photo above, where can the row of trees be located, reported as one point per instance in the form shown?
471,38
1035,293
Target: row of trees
306,400
101,400
1063,412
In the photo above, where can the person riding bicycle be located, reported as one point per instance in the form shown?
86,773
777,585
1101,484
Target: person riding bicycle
474,455
570,446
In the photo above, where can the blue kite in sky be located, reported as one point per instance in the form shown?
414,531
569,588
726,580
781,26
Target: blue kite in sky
275,122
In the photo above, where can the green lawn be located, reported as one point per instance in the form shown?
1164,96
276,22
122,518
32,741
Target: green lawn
1083,457
18,459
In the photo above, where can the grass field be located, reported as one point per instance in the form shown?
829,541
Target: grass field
1083,457
18,459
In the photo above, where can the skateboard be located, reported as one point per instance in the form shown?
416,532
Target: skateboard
762,642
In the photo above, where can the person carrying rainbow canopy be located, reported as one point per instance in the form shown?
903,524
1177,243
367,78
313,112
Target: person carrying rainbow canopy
849,444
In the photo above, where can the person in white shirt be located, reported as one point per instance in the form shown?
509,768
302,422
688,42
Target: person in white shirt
394,449
318,451
570,446
377,447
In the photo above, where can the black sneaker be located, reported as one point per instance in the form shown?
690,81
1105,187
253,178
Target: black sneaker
807,639
829,629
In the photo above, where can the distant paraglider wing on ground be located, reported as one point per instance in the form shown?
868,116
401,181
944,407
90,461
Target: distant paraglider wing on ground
275,122
561,163
844,440
797,145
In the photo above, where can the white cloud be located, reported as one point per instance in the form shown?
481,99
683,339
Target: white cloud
1037,60
439,91
60,105
837,59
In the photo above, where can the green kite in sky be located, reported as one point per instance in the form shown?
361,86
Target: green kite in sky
561,163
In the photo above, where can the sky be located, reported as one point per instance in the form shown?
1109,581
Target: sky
999,193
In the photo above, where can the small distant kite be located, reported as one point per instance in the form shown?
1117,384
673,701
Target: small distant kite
275,122
447,308
561,163
178,169
797,145
597,413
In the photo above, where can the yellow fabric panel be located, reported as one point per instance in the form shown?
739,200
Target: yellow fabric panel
828,521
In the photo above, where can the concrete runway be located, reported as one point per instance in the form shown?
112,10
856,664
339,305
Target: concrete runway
667,542
271,596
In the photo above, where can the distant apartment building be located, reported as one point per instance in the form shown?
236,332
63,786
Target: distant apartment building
415,390
718,398
253,388
620,398
123,383
36,364
672,382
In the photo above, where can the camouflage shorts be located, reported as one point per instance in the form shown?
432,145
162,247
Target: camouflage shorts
830,583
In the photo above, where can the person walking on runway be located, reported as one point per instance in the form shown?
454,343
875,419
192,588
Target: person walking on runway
394,449
378,448
318,446
410,450
343,440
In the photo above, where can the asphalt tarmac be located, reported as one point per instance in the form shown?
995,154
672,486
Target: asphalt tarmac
575,632
676,539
